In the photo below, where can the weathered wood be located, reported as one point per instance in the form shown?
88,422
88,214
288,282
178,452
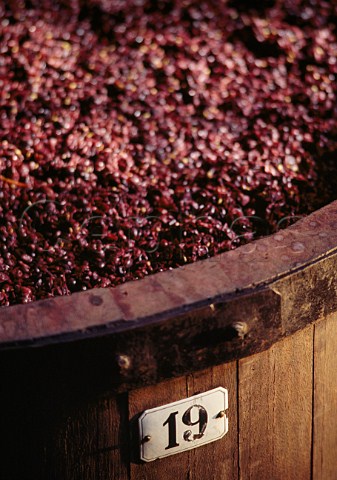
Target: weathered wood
308,295
203,338
275,410
325,400
61,425
214,461
218,460
149,397
58,424
92,442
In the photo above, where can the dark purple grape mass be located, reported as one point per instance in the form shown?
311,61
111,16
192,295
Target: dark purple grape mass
137,136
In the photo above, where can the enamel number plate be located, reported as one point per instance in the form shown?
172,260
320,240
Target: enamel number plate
183,425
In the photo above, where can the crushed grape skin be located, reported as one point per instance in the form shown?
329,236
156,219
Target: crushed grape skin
139,136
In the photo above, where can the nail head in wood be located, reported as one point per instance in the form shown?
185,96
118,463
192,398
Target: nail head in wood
241,329
123,361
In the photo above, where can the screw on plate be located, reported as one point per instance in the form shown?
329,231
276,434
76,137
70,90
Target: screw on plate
146,439
221,414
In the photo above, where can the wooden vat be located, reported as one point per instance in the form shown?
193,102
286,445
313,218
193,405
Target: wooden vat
260,321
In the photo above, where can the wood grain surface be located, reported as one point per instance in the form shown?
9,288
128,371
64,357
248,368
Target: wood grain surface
275,411
325,400
92,443
217,460
150,397
60,426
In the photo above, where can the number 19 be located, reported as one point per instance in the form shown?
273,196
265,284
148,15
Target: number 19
188,436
